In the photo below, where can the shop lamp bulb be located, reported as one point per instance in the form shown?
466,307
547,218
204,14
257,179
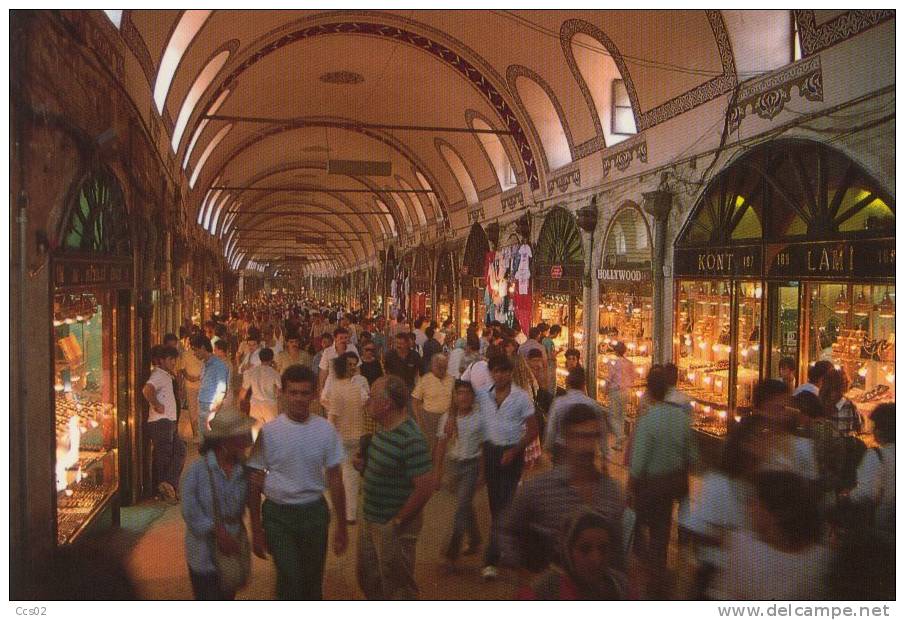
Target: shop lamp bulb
691,376
708,380
862,372
642,348
837,367
58,387
758,292
639,393
891,378
693,404
722,415
706,408
69,321
57,323
738,418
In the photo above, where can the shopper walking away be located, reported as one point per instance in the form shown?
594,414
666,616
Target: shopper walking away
576,386
618,386
344,399
264,384
190,368
430,348
398,482
460,435
296,458
214,501
168,450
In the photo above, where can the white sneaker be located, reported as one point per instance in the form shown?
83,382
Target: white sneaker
489,573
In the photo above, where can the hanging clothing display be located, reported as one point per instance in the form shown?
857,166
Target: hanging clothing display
507,293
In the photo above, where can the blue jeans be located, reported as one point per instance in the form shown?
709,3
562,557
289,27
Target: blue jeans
466,476
502,481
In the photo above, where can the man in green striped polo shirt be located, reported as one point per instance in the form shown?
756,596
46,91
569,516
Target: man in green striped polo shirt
398,482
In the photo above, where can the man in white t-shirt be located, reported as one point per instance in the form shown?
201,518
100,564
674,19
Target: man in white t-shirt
264,383
295,458
168,451
340,345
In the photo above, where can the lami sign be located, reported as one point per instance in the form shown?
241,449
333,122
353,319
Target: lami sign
623,275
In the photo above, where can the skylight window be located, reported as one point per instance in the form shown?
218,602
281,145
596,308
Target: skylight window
416,200
460,171
496,153
115,15
189,25
212,110
207,153
203,80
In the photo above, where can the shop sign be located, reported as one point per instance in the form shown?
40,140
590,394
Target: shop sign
728,261
74,273
551,285
846,259
624,275
556,271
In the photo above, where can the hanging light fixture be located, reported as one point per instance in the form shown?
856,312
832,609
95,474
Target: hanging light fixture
862,305
841,303
887,307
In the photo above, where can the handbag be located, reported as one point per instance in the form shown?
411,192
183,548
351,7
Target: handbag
232,570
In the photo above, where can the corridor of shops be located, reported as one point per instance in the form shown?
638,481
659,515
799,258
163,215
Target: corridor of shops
452,304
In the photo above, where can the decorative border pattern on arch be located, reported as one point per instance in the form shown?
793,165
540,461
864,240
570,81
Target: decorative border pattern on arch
438,50
816,38
136,43
678,105
516,71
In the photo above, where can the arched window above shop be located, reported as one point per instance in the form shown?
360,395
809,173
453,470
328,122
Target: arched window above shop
493,146
608,91
460,172
97,222
432,196
189,25
627,241
559,242
546,121
415,199
203,80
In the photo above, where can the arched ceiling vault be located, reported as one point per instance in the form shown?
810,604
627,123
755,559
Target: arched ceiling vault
301,88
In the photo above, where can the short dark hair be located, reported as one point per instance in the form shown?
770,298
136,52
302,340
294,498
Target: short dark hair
657,386
327,335
394,389
534,332
767,389
672,374
200,341
170,337
573,353
499,361
459,383
619,348
787,362
884,419
403,335
222,344
340,330
534,354
576,378
266,354
555,330
577,414
473,342
793,502
419,322
253,334
298,374
818,371
161,352
341,364
430,331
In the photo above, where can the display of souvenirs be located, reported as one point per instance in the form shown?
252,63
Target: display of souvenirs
507,290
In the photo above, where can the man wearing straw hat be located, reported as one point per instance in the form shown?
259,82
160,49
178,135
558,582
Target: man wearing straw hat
295,458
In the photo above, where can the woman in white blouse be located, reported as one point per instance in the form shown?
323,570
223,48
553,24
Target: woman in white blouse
343,398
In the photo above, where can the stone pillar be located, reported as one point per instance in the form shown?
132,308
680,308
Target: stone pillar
658,204
587,218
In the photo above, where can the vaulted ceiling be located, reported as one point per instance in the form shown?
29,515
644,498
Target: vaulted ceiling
264,107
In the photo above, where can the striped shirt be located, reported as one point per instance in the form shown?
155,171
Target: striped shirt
542,508
395,458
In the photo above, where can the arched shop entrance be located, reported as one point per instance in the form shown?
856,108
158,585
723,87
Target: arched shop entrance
473,274
420,287
789,253
97,427
558,269
446,285
626,299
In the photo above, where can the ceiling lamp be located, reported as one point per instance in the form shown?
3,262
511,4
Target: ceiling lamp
862,305
841,303
887,307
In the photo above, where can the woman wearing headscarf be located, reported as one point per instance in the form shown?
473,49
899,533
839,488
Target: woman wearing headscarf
592,562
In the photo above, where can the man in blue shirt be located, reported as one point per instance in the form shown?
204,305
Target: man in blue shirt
214,380
510,426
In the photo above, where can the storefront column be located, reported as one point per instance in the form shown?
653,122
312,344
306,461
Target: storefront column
587,218
658,204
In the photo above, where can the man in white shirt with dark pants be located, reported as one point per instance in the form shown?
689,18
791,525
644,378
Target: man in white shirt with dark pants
264,383
168,454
